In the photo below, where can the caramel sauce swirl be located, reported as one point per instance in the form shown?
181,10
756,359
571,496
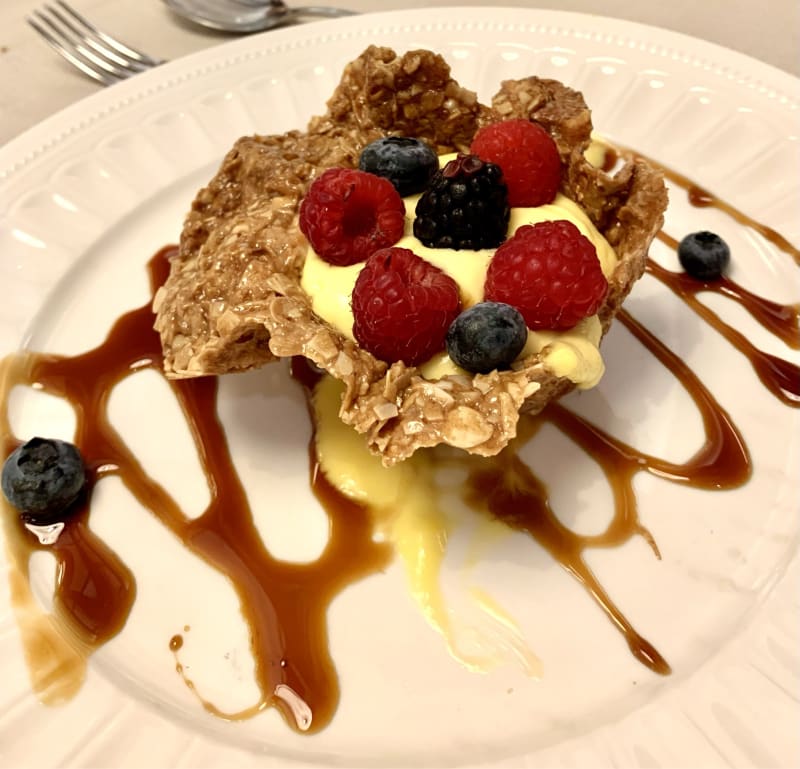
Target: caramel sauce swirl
512,493
781,377
285,605
702,198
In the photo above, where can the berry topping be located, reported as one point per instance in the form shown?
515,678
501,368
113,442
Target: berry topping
528,156
43,478
486,336
704,255
348,214
464,207
407,163
550,272
403,306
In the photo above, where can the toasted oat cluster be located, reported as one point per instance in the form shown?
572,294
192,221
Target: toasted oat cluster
233,300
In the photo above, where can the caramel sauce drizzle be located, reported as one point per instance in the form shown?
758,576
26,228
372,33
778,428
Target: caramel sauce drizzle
781,320
702,198
511,492
284,604
779,376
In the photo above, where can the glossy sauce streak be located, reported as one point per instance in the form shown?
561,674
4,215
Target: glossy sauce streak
779,376
701,198
284,604
511,492
781,320
94,589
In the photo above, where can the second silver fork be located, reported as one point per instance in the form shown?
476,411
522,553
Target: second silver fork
92,51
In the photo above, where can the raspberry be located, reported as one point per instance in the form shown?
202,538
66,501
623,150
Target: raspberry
464,207
403,306
550,272
347,215
528,156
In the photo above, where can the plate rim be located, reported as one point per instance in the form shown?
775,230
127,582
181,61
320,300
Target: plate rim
102,104
28,146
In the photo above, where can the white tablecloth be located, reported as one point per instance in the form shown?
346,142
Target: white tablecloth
35,82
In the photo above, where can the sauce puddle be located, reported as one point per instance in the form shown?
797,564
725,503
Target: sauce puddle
284,604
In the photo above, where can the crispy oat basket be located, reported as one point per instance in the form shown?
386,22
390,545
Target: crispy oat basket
233,299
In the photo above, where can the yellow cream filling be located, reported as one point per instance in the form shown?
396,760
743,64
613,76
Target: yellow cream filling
404,499
573,353
596,151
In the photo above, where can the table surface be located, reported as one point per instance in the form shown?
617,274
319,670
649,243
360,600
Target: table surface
35,82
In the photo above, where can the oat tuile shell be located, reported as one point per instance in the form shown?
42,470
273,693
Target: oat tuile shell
233,299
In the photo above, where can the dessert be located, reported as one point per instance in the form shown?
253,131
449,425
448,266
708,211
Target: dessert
506,490
236,297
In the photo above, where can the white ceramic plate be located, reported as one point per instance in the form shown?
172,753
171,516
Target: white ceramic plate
90,194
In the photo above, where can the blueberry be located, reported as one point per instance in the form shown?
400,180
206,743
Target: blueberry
704,255
43,478
486,336
407,163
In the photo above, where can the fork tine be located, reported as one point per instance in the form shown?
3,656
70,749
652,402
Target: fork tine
89,57
69,55
111,42
83,45
104,51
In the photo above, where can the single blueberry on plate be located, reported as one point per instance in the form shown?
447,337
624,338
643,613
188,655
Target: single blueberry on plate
704,255
486,336
407,163
43,479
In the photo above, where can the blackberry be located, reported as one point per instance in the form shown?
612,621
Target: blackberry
43,479
487,336
704,255
464,207
407,163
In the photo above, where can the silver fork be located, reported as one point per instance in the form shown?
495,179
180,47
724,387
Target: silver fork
83,45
